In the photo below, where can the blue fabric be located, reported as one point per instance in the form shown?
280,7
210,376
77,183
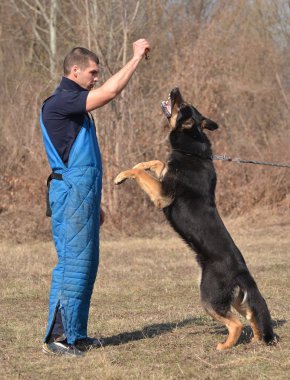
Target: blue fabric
75,204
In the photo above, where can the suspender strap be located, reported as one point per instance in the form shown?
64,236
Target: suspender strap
52,176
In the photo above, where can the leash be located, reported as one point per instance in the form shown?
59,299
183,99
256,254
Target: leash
237,160
241,161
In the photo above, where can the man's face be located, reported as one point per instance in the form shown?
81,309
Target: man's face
88,77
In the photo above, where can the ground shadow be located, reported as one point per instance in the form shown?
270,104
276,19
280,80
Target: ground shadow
154,330
149,331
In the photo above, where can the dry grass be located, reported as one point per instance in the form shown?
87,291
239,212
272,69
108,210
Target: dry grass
146,307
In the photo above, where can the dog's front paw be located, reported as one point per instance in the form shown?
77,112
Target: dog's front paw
141,165
121,177
222,347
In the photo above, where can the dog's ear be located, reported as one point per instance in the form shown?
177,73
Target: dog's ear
209,124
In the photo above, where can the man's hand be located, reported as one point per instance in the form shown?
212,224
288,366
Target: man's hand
140,48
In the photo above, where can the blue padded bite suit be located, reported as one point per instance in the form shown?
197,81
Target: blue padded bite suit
75,205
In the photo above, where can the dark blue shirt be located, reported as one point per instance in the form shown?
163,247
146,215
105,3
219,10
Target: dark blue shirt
63,115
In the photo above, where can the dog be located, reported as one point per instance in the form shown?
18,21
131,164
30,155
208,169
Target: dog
185,190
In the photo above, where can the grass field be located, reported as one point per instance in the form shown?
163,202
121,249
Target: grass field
146,307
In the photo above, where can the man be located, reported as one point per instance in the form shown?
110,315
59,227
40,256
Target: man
75,193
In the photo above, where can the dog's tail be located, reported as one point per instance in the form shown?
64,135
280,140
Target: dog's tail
259,309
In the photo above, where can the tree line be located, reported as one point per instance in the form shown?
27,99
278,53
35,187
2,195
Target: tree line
230,59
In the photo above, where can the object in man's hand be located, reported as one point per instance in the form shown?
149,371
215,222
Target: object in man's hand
147,53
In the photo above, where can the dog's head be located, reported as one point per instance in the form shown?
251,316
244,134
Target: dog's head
182,116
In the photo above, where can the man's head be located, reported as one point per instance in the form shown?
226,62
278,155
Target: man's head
82,66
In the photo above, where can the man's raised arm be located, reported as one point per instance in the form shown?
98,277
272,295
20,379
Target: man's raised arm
114,85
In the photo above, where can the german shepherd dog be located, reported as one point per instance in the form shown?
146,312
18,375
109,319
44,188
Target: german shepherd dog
185,190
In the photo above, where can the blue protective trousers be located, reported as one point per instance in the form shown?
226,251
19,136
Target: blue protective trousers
75,205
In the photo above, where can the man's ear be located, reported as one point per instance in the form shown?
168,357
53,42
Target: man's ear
209,124
75,70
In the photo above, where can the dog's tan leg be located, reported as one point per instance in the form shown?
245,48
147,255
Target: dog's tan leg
149,184
155,166
245,311
256,331
234,326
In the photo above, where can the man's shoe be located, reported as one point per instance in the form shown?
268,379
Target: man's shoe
88,343
61,348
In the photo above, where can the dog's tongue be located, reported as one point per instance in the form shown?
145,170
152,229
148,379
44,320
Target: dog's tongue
166,108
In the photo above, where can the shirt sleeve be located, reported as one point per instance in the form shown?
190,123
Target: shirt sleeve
72,102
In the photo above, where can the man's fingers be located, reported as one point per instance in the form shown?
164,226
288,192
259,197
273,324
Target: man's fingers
141,47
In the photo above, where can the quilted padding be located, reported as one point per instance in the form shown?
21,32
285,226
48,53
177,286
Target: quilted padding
75,205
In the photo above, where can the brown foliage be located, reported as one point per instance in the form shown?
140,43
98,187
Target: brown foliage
230,59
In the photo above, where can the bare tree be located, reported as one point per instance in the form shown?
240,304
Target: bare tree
230,59
44,28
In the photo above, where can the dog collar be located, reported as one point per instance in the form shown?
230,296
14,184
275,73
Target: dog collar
192,154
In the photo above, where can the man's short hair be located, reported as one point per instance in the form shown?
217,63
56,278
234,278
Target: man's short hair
78,56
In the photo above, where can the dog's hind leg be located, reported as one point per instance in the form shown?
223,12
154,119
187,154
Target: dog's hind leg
249,315
242,306
233,324
255,309
149,184
156,166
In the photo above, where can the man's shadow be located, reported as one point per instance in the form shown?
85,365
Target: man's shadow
154,330
150,331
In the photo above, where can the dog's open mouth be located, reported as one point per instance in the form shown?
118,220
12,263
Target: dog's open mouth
173,102
166,107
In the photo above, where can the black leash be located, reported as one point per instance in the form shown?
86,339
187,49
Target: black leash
241,161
